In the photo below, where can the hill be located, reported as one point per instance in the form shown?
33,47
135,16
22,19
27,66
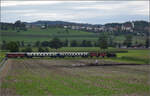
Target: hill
32,32
38,34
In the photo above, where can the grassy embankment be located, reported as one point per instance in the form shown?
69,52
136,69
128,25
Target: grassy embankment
2,55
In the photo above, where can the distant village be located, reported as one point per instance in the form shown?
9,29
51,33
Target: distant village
137,27
101,28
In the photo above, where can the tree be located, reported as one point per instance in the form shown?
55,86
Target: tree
17,23
40,49
18,43
103,41
20,26
4,45
74,43
37,43
128,41
29,45
45,43
83,44
147,42
22,43
66,43
27,49
23,27
89,44
96,44
13,46
56,43
46,50
111,42
86,43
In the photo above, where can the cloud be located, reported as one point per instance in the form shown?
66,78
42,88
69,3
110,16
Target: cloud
80,11
27,3
19,11
103,7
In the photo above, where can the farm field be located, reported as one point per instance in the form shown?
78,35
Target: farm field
61,77
37,34
136,53
134,56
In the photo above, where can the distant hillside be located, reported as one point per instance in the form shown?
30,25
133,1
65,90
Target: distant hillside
19,31
51,23
58,23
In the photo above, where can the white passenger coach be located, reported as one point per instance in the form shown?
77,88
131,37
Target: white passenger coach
56,54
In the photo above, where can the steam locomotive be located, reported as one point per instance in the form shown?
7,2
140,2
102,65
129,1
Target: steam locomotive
58,54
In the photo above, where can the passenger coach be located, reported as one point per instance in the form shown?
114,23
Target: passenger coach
58,54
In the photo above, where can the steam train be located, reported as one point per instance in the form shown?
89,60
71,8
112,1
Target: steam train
58,54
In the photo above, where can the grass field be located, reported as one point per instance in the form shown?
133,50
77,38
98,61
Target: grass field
49,31
2,55
136,53
37,34
44,78
133,56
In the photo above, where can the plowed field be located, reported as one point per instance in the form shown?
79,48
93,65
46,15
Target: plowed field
64,78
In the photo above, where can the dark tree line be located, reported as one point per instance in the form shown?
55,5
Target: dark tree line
18,26
103,42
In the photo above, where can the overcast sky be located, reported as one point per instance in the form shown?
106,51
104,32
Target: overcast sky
94,12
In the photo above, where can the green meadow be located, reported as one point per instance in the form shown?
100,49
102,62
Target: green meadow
37,34
134,56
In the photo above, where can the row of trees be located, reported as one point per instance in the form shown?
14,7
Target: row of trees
103,42
18,26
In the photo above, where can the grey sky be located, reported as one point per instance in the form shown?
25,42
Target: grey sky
95,12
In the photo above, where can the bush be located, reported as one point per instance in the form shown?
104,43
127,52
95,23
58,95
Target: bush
43,49
56,43
27,49
12,46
